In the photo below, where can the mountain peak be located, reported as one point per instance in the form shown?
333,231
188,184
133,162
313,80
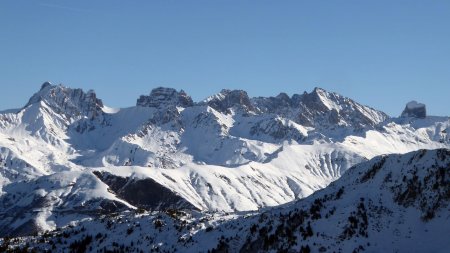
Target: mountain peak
414,109
162,96
227,99
283,96
324,94
319,90
45,85
330,108
321,100
67,101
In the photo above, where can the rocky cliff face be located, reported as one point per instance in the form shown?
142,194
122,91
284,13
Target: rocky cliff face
163,97
72,103
144,193
414,109
228,99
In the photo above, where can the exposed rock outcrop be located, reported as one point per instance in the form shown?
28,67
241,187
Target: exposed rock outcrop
227,99
161,97
144,193
414,109
72,103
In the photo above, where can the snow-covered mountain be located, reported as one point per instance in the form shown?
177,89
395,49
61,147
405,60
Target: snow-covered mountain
392,203
65,156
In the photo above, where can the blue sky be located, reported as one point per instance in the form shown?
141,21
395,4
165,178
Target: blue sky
380,53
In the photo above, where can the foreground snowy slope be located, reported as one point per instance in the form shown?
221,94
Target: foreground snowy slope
392,203
65,155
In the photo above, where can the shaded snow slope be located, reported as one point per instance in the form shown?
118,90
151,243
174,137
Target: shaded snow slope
392,203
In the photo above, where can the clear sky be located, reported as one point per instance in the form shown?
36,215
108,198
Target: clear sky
380,53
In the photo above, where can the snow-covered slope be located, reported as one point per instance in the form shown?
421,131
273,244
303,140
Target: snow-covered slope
227,153
392,203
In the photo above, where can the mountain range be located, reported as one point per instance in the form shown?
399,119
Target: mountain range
312,171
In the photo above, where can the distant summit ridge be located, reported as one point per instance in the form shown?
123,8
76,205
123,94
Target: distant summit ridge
319,108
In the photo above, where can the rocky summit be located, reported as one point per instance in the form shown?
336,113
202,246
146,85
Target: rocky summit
414,109
160,97
72,103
